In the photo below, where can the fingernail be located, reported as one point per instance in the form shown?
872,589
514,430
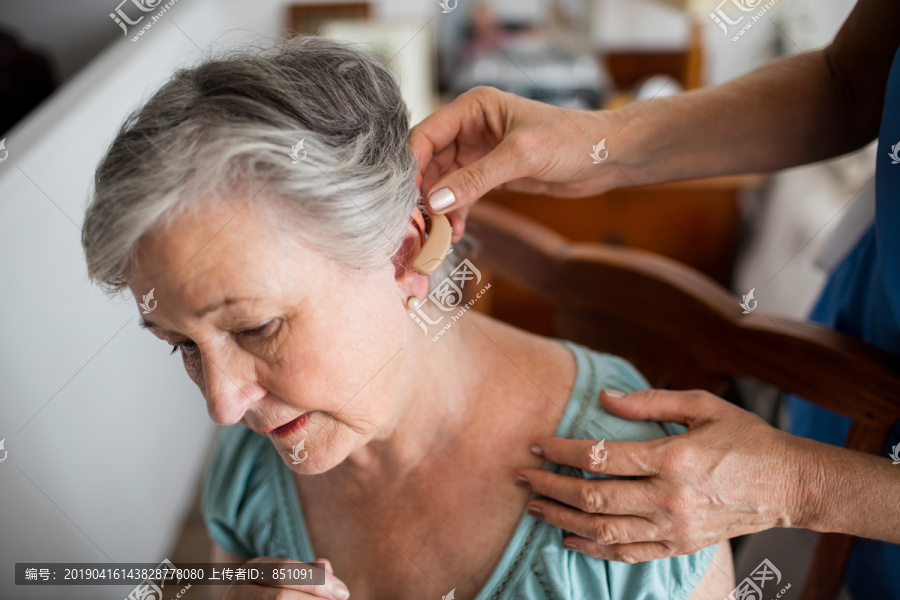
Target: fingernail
537,451
441,199
614,393
523,482
535,511
341,592
570,546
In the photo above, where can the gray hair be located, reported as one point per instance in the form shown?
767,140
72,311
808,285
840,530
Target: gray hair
225,128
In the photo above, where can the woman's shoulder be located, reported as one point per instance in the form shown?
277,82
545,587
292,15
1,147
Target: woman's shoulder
240,491
585,416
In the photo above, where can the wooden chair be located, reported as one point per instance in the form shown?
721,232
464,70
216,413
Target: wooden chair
684,331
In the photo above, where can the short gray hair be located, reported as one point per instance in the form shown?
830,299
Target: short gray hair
226,127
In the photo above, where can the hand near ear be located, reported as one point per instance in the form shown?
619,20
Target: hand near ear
487,139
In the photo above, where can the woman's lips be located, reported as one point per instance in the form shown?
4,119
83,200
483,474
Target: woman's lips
290,427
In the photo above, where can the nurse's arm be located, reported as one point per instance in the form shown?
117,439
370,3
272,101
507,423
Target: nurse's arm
801,109
852,492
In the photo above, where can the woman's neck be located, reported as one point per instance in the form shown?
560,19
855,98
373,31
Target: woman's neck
438,403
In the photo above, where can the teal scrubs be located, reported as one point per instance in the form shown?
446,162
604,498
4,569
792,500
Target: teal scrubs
862,298
251,508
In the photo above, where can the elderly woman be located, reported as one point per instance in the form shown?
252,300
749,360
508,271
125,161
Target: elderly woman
282,273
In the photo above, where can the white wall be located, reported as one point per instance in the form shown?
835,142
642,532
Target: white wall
69,33
72,33
639,24
105,432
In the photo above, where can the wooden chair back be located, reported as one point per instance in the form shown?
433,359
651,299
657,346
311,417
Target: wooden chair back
684,331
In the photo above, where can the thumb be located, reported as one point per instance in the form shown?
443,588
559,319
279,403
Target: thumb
469,183
688,408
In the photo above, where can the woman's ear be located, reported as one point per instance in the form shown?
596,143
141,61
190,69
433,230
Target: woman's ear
413,283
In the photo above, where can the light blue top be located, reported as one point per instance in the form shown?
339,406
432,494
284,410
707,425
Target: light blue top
252,509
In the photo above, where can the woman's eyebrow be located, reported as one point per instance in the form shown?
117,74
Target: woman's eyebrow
147,324
144,323
216,305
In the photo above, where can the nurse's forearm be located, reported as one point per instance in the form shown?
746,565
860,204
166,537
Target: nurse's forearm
850,492
794,111
782,115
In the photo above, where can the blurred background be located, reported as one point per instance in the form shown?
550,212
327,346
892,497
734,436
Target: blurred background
106,436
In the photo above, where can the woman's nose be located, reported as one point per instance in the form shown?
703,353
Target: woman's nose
230,385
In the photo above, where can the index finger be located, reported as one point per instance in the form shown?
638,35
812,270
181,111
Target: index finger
629,458
434,133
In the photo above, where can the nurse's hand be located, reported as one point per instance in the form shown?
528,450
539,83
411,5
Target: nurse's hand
332,589
487,138
729,475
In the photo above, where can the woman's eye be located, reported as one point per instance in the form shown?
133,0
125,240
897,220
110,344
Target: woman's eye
257,331
185,346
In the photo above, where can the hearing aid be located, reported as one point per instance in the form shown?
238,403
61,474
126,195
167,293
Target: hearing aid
436,245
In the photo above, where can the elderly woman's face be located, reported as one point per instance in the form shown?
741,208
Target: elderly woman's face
274,334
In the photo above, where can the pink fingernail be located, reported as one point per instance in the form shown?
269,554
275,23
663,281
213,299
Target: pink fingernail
441,199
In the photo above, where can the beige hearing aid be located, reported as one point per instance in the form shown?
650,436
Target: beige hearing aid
436,246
